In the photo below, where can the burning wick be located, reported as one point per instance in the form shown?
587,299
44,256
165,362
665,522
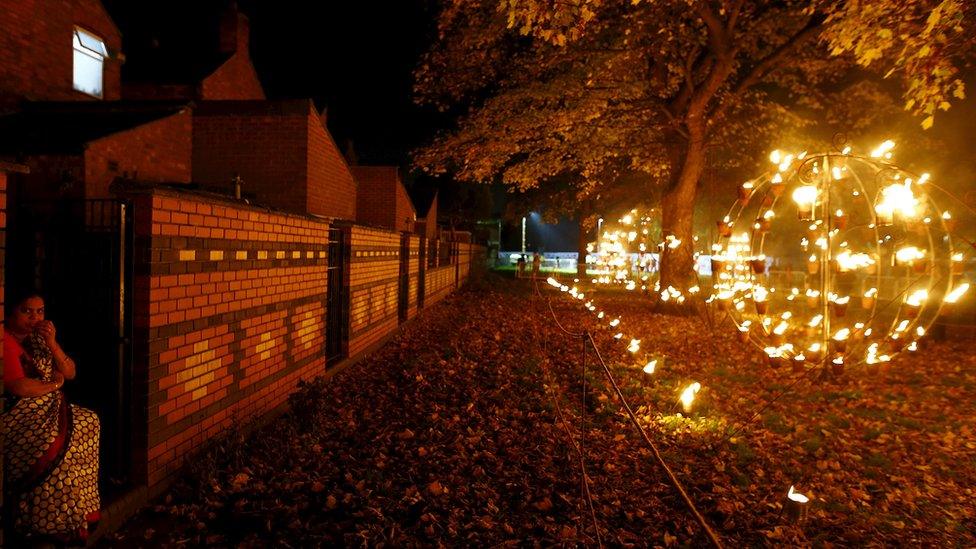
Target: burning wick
688,396
796,505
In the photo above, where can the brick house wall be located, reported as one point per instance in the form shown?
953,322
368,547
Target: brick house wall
331,187
280,149
381,199
236,79
229,315
157,152
36,48
373,292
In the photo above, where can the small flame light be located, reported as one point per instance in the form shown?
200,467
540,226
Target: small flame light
805,198
796,505
688,396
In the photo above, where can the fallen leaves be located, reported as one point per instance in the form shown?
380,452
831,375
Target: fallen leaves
448,436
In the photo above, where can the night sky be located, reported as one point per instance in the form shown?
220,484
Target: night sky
355,58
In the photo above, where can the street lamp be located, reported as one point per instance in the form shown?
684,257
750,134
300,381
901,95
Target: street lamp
523,234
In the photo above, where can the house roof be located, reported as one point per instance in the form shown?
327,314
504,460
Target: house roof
56,127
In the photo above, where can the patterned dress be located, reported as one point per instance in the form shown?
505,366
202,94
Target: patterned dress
50,451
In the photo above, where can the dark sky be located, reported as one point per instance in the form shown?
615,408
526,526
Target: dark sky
355,57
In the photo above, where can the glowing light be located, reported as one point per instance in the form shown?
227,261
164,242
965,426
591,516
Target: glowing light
909,254
883,149
957,292
634,345
688,395
614,323
796,496
776,156
650,367
917,297
847,261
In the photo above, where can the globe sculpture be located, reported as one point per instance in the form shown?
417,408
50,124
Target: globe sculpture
835,260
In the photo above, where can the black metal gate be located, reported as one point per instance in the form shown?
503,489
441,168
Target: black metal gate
78,254
421,275
337,299
403,295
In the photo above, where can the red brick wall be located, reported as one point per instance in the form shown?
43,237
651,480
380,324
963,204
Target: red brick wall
235,79
381,199
331,188
373,271
439,282
413,268
430,221
35,45
160,151
265,142
229,314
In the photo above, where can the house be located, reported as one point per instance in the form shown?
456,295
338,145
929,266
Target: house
58,51
76,149
195,68
280,149
381,198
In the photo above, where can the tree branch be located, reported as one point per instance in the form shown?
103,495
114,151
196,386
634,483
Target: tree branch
761,68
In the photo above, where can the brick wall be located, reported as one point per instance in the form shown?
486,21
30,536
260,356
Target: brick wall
331,188
229,309
374,257
229,314
35,45
381,199
413,270
235,79
160,151
281,150
439,282
264,142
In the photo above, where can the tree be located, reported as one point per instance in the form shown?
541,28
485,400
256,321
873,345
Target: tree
595,87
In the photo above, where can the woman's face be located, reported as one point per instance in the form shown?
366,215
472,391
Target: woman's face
27,315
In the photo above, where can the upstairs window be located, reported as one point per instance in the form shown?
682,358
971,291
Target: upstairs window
89,62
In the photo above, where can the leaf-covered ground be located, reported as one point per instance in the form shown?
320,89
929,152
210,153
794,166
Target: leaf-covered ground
451,435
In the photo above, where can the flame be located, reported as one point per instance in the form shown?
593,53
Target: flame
776,156
796,496
848,261
650,367
634,345
805,196
897,198
916,299
688,395
883,149
842,334
957,292
909,254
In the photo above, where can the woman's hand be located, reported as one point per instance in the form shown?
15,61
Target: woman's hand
45,329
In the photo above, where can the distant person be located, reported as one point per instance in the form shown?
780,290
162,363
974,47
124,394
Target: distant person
50,447
536,264
520,267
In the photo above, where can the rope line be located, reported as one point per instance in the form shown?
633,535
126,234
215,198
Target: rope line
578,448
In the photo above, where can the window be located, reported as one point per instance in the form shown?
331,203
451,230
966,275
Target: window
89,60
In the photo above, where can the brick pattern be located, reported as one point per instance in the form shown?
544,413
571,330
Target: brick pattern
38,58
157,152
230,309
374,266
439,282
381,199
229,315
413,270
331,187
281,150
235,79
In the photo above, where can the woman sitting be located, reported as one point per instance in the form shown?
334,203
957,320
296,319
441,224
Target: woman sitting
50,448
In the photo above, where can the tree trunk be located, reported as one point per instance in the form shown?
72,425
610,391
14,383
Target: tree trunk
678,212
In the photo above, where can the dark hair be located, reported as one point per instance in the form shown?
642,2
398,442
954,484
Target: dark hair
16,296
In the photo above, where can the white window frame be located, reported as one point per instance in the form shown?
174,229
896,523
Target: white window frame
92,47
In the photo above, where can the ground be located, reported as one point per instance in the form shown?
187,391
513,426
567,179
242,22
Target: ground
457,433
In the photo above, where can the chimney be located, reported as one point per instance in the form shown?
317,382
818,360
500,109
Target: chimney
350,155
235,31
